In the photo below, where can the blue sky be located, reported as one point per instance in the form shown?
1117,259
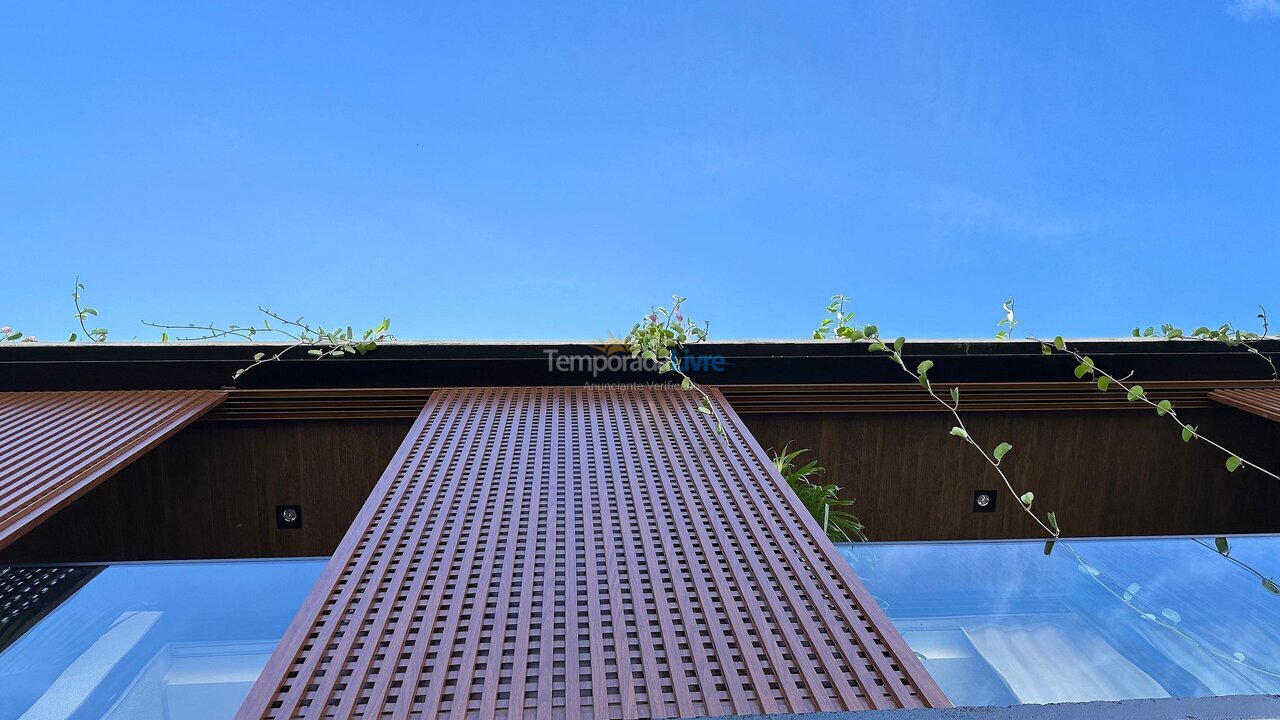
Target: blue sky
549,170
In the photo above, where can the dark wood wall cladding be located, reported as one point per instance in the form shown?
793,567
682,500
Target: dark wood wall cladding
211,490
1104,473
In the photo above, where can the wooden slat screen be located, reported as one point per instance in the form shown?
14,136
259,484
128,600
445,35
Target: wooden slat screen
56,446
1263,402
329,403
594,552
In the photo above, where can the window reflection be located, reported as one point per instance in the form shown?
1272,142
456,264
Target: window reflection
146,640
998,623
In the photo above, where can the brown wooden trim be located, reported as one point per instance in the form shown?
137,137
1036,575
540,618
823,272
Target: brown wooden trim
975,397
57,446
1264,402
327,404
571,552
405,403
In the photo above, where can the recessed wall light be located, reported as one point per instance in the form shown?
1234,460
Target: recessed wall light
288,517
984,501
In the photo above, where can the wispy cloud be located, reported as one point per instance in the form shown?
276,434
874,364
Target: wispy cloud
968,211
1255,9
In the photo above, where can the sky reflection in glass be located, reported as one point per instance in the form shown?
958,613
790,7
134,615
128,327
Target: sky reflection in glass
147,641
1000,623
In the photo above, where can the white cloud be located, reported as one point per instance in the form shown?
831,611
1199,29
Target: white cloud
1255,9
968,211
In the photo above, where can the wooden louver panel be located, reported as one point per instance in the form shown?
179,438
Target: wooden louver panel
1264,402
56,446
575,552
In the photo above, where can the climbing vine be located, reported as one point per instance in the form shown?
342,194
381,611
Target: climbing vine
296,334
661,337
1134,392
1226,334
839,324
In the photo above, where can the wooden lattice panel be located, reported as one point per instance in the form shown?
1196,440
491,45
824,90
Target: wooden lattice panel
584,553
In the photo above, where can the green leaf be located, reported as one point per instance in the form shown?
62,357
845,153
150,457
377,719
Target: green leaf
924,367
1081,370
704,409
897,344
875,347
1046,350
959,432
1028,498
1136,393
1053,521
164,337
1233,463
1001,449
1059,343
1048,547
317,353
1238,656
90,311
1163,408
1172,615
72,338
1188,432
258,356
955,395
1104,382
1223,546
1131,591
1270,586
686,383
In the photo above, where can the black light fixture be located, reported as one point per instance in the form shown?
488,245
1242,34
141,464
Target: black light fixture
288,517
984,501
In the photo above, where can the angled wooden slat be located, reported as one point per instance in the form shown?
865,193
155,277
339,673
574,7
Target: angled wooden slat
56,446
584,553
1263,402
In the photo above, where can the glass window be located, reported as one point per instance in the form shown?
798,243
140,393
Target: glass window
999,623
145,640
